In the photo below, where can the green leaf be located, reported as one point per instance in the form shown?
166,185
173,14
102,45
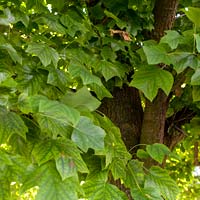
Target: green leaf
196,93
72,25
51,186
146,194
108,54
142,154
195,79
5,190
87,135
159,178
76,69
66,167
157,151
58,112
156,54
109,70
58,78
101,190
81,100
100,91
172,38
193,14
155,78
182,60
11,51
8,17
134,175
11,123
45,53
197,38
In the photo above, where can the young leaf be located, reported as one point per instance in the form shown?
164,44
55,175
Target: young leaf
101,190
157,151
5,189
155,78
45,53
159,178
142,154
87,135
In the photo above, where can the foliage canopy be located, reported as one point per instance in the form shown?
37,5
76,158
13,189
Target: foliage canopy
58,61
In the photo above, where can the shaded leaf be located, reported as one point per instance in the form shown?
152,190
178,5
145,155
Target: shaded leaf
195,79
87,135
11,123
45,53
82,99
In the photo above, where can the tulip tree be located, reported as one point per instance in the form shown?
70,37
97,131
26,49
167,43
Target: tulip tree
94,96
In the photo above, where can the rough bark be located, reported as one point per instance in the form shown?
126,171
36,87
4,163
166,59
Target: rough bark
125,111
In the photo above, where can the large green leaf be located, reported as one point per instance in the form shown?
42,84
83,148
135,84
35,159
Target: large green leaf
11,123
46,54
193,14
155,78
87,135
159,178
82,100
157,151
101,190
196,93
156,54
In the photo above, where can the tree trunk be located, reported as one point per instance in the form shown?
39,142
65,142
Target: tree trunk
125,111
